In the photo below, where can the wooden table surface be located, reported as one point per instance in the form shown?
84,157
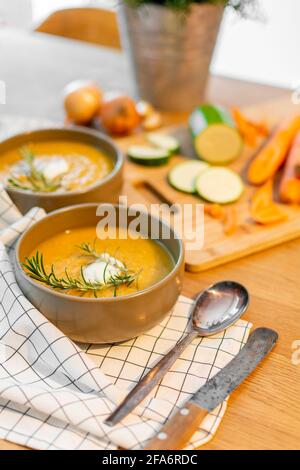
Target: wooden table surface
264,413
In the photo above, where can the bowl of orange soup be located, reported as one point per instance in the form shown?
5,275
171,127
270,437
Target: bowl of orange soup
96,288
54,168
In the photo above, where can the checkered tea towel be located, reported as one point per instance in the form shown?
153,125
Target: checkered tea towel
55,394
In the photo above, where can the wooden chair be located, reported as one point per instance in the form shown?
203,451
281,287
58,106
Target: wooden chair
94,25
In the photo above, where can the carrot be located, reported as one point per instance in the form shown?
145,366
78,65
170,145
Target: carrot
263,197
270,215
230,224
263,209
248,129
216,211
228,217
289,189
272,156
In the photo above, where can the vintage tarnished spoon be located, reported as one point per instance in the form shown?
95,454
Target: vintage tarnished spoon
215,309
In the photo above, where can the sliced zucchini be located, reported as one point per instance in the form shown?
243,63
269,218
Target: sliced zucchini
146,155
163,141
216,138
219,185
183,176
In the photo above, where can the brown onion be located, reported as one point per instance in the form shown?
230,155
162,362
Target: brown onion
119,115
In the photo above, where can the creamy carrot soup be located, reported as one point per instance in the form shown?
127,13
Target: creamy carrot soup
100,268
49,166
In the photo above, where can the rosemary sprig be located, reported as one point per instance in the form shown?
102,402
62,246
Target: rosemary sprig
35,268
36,181
89,249
17,184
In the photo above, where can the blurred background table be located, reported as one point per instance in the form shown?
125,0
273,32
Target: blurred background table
36,67
265,411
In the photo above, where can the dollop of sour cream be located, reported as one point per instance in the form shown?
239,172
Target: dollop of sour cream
103,269
53,168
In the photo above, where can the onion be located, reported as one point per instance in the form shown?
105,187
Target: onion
119,115
82,101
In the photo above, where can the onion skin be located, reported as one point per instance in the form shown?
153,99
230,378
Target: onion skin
144,109
82,103
119,115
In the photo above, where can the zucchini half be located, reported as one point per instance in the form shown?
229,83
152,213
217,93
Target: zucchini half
216,138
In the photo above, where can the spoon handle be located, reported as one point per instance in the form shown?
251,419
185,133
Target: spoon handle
149,381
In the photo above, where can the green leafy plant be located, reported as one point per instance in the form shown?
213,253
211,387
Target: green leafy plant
35,268
35,179
245,7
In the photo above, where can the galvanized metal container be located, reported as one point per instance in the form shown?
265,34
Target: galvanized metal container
170,52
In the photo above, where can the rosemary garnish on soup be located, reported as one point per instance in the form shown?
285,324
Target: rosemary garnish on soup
54,165
35,179
105,271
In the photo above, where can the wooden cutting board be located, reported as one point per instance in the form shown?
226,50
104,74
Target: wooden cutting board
149,185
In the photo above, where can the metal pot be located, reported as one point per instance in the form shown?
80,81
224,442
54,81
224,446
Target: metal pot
170,52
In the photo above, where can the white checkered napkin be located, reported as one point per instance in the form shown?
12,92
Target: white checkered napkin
12,223
56,395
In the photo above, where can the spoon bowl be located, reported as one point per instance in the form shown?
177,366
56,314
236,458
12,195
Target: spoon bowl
218,307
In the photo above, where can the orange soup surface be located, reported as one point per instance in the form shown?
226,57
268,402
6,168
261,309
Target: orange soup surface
146,260
60,165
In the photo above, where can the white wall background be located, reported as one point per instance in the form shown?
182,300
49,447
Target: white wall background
264,51
16,13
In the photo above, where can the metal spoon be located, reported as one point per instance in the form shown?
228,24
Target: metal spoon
215,309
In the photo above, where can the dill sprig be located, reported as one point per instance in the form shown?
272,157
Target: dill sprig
36,181
35,268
